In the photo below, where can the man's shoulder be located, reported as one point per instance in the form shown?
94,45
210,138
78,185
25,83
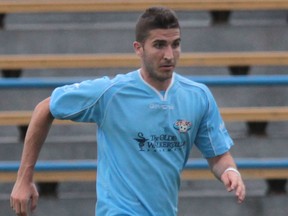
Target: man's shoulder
124,78
187,82
107,82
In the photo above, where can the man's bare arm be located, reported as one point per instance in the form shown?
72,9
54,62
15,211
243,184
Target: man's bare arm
224,168
24,191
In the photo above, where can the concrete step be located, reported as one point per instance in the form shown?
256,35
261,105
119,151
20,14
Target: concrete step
120,39
236,17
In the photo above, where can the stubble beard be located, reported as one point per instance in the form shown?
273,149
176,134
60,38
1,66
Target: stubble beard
157,75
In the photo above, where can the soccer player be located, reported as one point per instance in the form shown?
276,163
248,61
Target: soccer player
148,121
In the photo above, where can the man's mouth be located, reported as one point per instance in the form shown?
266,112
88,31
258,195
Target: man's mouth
167,66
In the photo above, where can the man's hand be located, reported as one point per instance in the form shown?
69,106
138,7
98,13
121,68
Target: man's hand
24,198
233,182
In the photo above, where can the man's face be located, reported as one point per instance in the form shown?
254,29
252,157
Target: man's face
159,54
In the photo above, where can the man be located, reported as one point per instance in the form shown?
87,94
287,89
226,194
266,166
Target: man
148,120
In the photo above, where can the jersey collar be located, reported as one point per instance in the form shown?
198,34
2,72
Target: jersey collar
160,95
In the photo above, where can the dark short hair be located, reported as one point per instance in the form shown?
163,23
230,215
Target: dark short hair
155,18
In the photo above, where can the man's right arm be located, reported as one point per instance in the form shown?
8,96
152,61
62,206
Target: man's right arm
24,192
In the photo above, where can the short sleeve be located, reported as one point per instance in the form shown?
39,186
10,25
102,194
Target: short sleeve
78,102
212,137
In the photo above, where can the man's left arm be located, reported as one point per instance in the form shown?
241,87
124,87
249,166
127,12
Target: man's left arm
224,168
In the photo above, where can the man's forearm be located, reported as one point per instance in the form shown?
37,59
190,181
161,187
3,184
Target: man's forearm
37,132
220,163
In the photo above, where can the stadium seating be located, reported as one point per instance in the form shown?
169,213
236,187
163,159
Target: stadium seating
84,170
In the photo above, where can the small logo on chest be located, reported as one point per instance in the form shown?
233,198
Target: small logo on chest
182,126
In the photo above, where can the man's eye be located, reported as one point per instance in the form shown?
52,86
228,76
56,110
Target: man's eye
159,45
176,44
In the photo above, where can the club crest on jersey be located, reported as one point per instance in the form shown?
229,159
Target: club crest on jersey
182,126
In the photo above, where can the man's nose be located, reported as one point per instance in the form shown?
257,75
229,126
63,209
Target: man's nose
168,55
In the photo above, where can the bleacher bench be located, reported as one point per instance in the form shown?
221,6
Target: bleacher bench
195,169
36,6
128,60
229,114
210,80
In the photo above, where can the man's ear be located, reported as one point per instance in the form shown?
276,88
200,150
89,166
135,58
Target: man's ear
138,48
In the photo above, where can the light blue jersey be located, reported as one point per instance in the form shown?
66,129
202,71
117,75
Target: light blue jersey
144,138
